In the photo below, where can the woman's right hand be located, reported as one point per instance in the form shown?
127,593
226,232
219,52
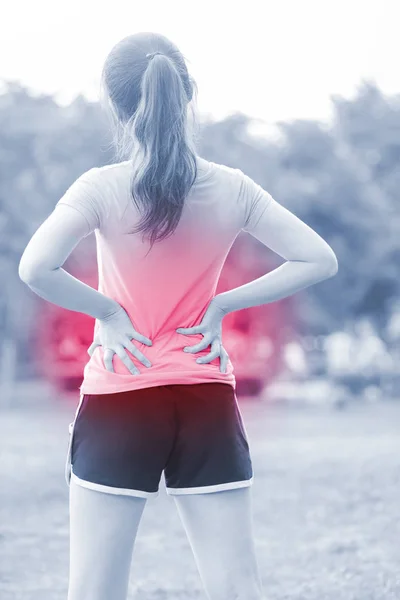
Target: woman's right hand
114,334
211,328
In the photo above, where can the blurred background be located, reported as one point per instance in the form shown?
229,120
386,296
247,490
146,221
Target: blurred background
305,99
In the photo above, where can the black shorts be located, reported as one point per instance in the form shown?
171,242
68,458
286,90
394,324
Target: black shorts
121,443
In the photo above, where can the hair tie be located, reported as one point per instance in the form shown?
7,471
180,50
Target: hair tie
151,55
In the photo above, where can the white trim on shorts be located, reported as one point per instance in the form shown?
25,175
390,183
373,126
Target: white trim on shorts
111,490
206,489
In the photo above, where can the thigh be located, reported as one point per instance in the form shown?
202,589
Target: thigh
103,529
219,527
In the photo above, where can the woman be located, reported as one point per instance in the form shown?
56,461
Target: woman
158,392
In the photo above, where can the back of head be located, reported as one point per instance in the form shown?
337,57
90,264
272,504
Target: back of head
149,90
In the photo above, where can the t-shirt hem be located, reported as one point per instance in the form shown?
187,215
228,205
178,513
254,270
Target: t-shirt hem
142,381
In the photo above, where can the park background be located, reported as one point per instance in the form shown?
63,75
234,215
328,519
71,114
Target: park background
318,377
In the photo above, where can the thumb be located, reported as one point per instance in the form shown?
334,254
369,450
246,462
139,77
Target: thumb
92,348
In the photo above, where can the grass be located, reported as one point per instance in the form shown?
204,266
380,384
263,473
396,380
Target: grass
326,507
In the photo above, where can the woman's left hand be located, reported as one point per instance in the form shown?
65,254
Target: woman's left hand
211,328
114,334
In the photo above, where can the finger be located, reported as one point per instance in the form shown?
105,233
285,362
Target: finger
189,330
208,357
223,360
200,346
119,351
136,352
92,348
108,359
140,338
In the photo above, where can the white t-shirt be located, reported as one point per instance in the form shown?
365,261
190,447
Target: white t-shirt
172,286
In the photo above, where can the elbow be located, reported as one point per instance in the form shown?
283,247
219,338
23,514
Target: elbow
329,265
25,274
28,273
23,270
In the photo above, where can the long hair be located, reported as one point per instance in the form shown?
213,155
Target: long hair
146,84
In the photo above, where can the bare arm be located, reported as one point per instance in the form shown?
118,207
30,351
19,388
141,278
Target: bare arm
309,259
82,209
40,268
41,262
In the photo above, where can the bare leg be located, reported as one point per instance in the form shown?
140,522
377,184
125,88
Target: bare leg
220,531
103,530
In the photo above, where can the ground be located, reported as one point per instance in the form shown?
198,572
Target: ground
326,506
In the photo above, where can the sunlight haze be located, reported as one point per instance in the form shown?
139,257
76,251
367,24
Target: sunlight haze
270,60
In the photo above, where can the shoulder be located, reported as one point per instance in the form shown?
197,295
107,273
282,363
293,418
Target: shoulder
114,168
237,177
102,182
246,187
104,173
252,198
228,172
228,177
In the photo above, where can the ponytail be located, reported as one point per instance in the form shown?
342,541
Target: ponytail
150,94
164,165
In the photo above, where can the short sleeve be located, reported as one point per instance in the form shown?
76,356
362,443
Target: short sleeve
254,202
85,195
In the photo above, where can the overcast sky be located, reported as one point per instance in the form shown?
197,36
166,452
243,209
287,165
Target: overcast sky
273,60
